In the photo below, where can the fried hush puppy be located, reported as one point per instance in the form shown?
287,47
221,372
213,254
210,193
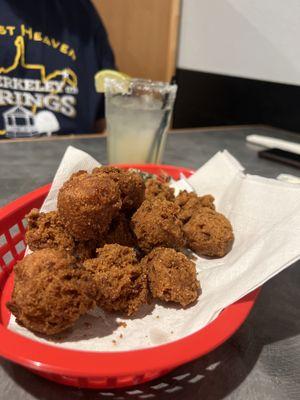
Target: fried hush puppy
131,186
46,231
120,232
190,203
156,224
159,190
119,278
84,250
87,203
171,276
50,292
209,233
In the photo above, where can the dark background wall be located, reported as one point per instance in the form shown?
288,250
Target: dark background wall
207,99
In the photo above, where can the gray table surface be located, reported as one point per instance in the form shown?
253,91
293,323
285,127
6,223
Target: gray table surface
261,361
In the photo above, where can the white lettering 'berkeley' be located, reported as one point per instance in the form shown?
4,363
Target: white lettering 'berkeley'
33,85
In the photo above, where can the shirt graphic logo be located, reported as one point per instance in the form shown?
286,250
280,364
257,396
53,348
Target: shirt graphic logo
21,122
69,76
34,102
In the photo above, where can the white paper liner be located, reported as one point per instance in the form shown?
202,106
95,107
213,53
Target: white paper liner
265,215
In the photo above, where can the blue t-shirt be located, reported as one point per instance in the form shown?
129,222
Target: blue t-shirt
50,51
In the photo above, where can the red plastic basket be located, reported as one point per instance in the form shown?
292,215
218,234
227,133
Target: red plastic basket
98,369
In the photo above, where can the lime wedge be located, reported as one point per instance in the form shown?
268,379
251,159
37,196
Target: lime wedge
108,73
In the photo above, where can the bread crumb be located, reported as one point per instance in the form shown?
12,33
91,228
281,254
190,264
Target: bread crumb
121,335
114,341
157,316
123,324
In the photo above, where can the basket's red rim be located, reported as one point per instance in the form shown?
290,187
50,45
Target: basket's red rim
55,360
156,167
7,209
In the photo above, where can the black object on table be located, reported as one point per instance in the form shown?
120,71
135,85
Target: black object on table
261,361
282,156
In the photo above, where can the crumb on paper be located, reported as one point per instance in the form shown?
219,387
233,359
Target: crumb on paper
121,336
122,324
157,316
114,342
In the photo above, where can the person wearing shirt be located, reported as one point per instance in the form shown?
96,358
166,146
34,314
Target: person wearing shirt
50,51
